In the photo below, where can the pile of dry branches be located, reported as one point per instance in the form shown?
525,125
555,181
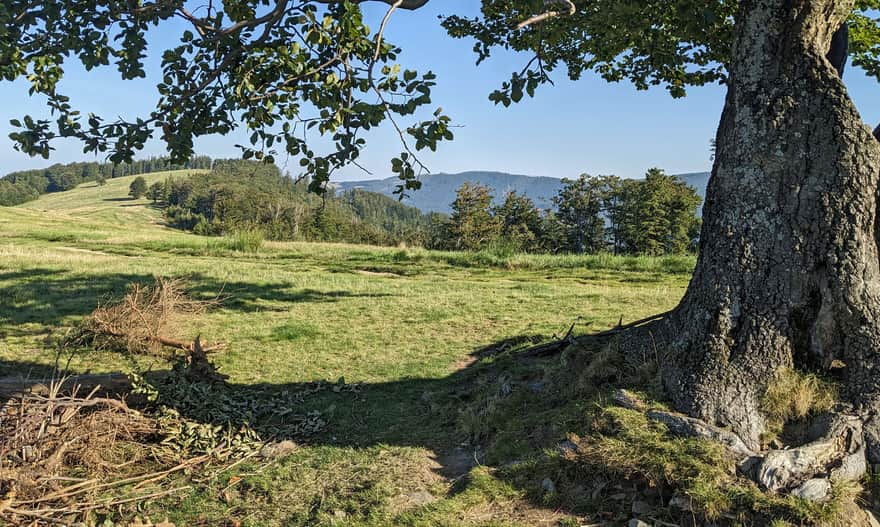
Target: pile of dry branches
46,440
145,319
71,458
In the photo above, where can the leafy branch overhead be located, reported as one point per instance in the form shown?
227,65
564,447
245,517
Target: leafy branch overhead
285,68
650,43
282,69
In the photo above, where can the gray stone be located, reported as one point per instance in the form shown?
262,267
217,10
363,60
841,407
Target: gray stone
682,503
548,485
567,446
627,399
635,522
817,489
278,449
421,498
641,507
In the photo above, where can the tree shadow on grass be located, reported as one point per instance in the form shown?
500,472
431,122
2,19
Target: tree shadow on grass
500,410
50,298
493,409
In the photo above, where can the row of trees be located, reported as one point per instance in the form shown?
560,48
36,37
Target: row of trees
656,215
240,195
27,185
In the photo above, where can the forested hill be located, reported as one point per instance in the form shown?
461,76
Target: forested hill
438,190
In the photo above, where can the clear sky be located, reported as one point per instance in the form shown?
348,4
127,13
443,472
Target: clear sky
573,127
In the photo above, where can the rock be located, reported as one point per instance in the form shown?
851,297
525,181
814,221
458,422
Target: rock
635,522
537,387
278,449
641,507
682,503
567,446
817,489
421,498
627,399
548,485
683,425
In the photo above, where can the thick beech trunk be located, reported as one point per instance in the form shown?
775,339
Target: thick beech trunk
788,272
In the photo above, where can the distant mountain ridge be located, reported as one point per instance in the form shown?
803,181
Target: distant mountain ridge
438,190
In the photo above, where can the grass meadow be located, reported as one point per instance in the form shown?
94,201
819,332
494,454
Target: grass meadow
419,340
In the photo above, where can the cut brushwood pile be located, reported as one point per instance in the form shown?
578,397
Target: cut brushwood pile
69,456
61,455
145,320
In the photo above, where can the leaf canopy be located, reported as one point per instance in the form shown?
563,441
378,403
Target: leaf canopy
288,69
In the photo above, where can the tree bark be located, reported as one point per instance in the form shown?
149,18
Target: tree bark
788,273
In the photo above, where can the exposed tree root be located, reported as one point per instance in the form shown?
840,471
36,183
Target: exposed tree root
835,450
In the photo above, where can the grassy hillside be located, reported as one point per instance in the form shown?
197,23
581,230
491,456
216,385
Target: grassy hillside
408,330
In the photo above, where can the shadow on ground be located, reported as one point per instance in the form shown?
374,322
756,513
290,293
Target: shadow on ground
452,416
49,297
493,410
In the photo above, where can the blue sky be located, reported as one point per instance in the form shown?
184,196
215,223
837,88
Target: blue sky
570,128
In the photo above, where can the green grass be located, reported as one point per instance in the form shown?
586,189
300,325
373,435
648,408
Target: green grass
419,339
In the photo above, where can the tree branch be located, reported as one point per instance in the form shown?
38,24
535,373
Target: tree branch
537,19
411,5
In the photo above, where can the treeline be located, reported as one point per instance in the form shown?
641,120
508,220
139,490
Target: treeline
656,215
27,185
246,195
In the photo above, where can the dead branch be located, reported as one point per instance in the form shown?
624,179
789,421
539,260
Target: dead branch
557,346
141,321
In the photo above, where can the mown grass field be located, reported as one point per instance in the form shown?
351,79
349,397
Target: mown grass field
414,334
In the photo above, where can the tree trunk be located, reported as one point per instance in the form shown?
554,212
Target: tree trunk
788,273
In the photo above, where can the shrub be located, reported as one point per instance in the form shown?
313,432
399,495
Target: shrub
243,240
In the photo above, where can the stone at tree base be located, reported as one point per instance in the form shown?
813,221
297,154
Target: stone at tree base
635,522
817,489
548,485
682,503
628,400
641,507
